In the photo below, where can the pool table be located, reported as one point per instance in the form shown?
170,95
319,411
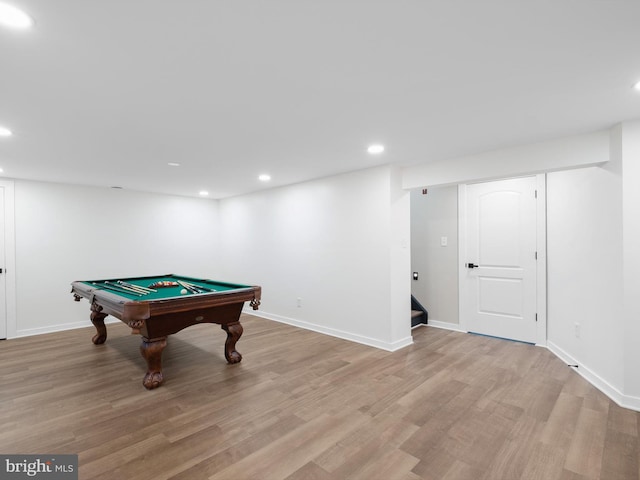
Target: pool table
158,306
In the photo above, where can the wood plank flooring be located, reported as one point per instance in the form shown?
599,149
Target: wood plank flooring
304,406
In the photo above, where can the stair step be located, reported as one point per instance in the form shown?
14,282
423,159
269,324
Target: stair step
415,313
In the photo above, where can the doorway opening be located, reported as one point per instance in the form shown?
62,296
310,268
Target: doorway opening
442,240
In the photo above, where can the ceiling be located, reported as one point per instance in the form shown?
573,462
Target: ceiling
107,93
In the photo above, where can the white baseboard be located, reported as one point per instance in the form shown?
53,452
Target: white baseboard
28,332
626,401
445,325
371,342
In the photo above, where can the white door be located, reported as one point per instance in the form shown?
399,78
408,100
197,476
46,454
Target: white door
498,283
3,284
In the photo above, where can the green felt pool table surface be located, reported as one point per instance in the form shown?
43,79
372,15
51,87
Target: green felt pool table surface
161,292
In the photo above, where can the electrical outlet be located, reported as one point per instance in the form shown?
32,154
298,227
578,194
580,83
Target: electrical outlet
299,302
444,241
576,329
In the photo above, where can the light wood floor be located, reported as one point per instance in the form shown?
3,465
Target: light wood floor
307,406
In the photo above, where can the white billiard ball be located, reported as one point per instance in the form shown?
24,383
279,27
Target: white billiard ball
183,291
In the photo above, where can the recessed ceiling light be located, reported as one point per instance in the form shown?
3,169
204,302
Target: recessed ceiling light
173,164
203,193
637,86
13,17
5,132
375,149
1,170
264,177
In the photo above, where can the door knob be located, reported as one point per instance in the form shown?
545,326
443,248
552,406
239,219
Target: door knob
472,265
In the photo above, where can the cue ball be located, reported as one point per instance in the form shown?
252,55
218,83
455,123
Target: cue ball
183,291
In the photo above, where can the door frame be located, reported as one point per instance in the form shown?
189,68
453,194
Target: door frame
9,266
541,245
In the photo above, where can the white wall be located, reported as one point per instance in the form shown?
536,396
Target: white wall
595,215
340,244
66,233
336,244
433,216
585,284
399,262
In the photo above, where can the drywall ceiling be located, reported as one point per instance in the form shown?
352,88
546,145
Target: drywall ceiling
109,92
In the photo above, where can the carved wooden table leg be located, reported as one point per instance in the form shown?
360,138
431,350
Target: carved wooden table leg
234,332
151,350
97,318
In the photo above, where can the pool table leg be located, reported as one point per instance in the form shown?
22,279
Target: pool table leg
234,332
151,350
97,318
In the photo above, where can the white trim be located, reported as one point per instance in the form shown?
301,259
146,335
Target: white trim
371,342
454,327
10,256
462,254
541,265
625,401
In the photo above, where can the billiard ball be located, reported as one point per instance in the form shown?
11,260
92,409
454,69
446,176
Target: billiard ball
183,291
